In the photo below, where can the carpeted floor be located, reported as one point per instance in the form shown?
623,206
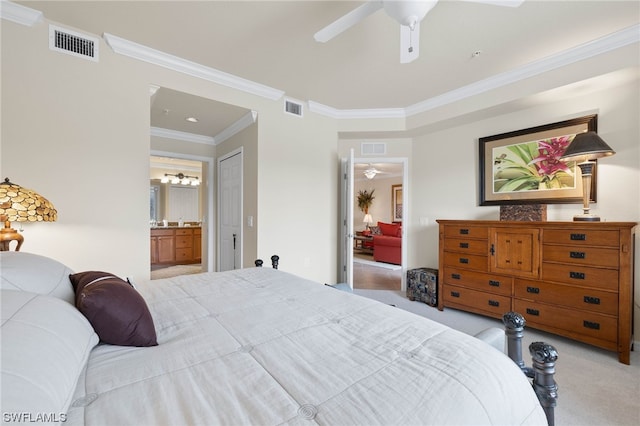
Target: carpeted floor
593,387
173,271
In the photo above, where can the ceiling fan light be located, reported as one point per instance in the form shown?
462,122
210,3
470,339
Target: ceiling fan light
408,13
370,174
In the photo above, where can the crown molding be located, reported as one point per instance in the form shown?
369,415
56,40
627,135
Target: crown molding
356,113
587,50
19,14
247,120
137,51
181,136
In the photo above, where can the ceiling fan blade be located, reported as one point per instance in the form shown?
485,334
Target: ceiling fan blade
347,21
409,43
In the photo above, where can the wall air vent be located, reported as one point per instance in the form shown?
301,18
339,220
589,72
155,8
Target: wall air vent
373,148
73,43
292,107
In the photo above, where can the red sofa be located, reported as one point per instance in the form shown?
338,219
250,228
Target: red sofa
387,246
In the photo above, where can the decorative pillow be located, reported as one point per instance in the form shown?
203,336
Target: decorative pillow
45,345
375,230
36,274
389,228
117,312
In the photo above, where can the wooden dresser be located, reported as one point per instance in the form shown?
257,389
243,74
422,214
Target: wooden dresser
176,246
573,279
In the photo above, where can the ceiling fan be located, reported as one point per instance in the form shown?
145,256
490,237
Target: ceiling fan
371,172
408,13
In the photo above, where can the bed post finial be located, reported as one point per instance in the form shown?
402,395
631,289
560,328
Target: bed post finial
544,358
514,329
259,263
274,261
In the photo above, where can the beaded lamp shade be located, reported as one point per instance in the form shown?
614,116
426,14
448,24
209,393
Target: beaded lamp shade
18,204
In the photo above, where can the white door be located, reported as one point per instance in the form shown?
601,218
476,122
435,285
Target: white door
347,220
230,212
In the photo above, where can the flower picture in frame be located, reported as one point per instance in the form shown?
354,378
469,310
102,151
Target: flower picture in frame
396,203
524,167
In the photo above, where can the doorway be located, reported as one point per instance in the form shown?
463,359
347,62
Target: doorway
386,180
181,211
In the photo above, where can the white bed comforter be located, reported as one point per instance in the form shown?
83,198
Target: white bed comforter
262,347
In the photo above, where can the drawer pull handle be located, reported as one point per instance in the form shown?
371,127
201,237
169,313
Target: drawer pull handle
464,245
464,232
455,276
534,290
494,303
494,283
592,300
455,294
577,254
591,325
464,260
578,237
533,312
577,275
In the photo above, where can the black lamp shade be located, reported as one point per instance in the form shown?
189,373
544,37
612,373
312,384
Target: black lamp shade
587,146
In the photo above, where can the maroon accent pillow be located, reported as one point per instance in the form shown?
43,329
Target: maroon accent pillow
390,229
118,313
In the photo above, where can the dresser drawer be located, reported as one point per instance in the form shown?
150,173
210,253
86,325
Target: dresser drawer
581,275
590,324
183,254
589,299
477,300
486,282
183,241
184,232
463,231
466,261
467,246
592,256
582,237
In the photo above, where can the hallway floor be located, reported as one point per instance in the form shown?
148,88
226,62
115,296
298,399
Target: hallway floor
375,278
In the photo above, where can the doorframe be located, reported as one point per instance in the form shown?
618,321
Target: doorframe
220,159
208,248
405,205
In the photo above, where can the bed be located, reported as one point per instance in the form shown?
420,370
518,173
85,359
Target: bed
256,346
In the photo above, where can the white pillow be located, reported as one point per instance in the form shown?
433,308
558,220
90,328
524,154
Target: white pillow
36,274
45,345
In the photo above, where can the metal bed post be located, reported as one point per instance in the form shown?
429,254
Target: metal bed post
544,358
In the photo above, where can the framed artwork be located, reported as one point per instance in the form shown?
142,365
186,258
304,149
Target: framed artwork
396,203
524,167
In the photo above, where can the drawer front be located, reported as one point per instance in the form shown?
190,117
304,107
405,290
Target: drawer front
493,303
197,231
161,232
485,282
581,275
582,237
466,261
573,321
466,246
589,299
184,241
184,254
184,232
593,256
461,231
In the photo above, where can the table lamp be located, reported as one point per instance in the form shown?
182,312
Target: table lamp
19,204
368,220
585,148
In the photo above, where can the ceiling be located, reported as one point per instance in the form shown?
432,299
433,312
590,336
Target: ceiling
271,43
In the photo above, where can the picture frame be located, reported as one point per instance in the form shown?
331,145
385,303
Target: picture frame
523,167
396,203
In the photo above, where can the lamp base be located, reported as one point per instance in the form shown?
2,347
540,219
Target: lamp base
586,218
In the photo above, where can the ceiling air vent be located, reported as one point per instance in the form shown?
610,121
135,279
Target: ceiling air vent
72,43
292,107
373,148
